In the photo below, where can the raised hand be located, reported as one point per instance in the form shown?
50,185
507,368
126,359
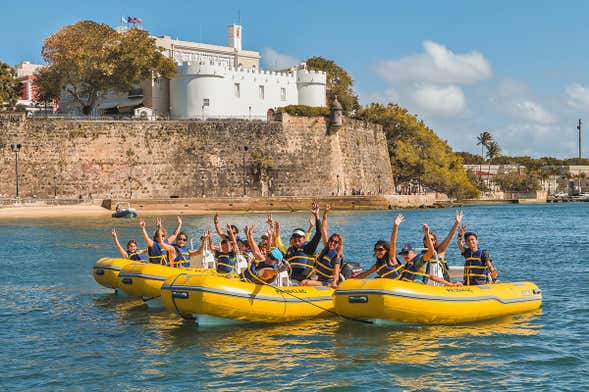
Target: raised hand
315,209
179,220
142,224
459,215
114,233
326,209
158,222
312,220
425,228
269,221
461,230
399,219
216,217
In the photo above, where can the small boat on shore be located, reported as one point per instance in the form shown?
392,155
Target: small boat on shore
203,296
408,302
106,271
124,210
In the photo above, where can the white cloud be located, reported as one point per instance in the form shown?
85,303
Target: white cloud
439,100
274,60
578,96
533,112
437,64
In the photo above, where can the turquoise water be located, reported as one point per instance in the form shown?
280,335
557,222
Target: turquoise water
62,331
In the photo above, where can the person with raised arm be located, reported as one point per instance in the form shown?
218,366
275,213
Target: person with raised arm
131,253
183,253
280,244
171,238
158,250
386,266
438,266
226,253
225,236
478,265
329,260
301,254
416,266
265,265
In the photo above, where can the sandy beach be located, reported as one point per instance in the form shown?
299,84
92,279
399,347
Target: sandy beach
41,212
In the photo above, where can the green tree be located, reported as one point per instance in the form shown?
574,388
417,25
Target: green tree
483,140
493,151
339,83
88,59
10,86
416,152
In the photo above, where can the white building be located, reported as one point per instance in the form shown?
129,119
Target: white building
209,89
214,81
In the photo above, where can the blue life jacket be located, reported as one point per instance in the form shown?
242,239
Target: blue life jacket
300,262
415,270
157,255
135,256
475,269
183,255
325,263
225,262
384,270
250,273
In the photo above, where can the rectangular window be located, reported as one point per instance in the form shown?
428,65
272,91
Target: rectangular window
283,94
261,89
205,102
236,89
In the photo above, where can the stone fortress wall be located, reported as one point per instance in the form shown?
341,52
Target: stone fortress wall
295,156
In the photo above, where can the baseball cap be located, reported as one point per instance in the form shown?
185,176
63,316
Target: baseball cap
406,249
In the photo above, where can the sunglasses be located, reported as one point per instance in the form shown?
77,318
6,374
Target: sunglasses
182,239
379,249
334,241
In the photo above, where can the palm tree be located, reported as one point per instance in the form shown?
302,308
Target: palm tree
493,151
483,140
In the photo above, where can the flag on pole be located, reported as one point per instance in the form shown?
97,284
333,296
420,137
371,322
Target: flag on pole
123,19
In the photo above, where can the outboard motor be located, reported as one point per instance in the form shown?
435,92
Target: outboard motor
351,269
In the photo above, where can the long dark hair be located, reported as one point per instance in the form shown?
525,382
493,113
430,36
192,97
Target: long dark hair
384,245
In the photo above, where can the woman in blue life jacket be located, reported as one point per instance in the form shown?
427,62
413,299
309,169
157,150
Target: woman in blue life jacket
230,229
183,253
301,254
225,253
131,253
329,261
386,265
416,265
265,265
478,266
158,249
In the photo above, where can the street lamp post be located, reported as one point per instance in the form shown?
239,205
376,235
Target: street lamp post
16,149
245,148
379,189
55,187
337,176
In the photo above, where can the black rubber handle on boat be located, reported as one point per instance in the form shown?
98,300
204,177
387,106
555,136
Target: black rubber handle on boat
321,307
174,299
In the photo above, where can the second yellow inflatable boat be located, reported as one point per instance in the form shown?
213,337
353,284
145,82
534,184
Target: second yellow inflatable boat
144,280
193,295
407,302
106,271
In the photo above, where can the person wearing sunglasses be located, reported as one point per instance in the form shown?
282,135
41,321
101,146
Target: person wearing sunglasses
158,249
265,265
329,261
386,266
131,253
301,254
183,253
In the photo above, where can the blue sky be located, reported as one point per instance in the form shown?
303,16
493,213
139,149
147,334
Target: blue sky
516,69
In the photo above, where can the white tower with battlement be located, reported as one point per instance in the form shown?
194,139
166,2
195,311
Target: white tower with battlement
311,86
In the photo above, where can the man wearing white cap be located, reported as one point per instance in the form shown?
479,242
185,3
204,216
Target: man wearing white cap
301,254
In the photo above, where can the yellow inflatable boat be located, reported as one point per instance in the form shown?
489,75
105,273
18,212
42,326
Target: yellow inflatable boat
106,271
407,302
144,280
206,296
